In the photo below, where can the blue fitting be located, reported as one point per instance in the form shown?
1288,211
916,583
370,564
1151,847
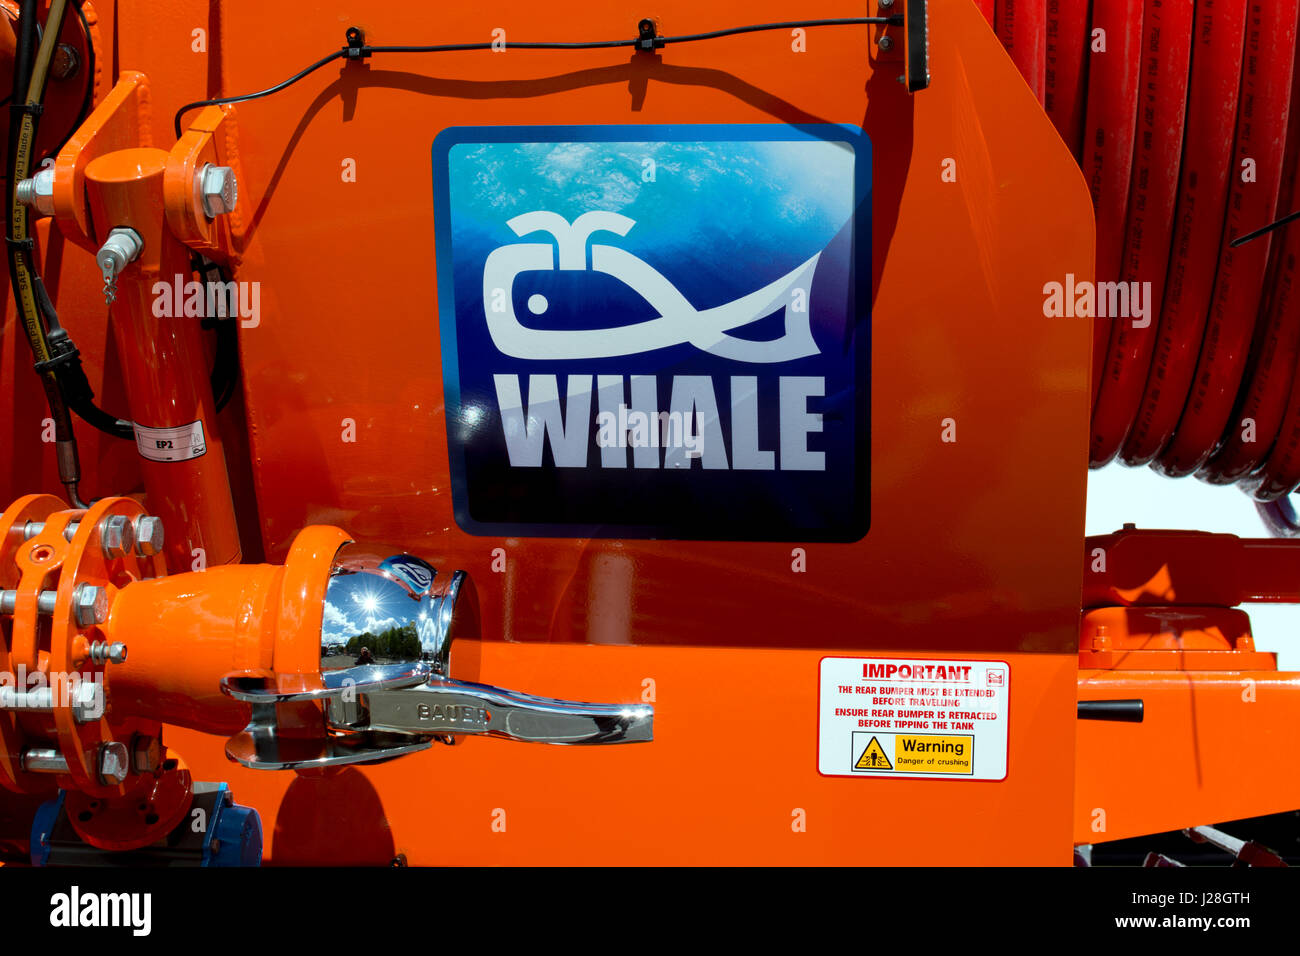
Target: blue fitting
42,825
237,833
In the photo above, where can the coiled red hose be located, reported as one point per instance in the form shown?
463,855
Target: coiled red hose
1186,121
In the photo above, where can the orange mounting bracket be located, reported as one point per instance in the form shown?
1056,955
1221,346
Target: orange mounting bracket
120,122
211,139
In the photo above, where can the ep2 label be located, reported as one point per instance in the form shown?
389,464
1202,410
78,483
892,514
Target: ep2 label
903,717
178,443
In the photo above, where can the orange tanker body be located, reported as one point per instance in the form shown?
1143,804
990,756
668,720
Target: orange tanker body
714,379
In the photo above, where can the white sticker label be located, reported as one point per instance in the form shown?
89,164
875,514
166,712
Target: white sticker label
179,443
897,717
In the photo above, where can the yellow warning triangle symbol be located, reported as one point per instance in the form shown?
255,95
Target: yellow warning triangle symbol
873,758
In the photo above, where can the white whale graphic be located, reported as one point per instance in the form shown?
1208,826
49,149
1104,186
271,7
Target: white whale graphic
678,321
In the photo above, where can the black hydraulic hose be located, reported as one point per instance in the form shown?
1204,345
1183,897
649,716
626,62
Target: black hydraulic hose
73,384
30,73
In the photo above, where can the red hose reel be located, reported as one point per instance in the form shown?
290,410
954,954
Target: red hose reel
1181,116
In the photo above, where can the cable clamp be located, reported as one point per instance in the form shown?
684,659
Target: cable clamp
63,351
356,48
648,37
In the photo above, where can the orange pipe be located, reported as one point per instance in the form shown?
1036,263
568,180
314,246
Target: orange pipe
184,633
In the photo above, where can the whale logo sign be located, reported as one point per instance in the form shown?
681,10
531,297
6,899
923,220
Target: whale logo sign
678,321
654,331
410,570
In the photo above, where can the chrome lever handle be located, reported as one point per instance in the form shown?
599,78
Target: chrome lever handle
381,696
443,706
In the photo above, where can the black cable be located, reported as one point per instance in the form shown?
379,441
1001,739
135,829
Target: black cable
650,41
221,100
1264,230
896,20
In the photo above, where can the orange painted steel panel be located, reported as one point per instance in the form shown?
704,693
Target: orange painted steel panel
720,783
1133,567
990,570
1184,638
729,632
1212,747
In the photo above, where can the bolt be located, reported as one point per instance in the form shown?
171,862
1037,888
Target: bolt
102,652
32,528
45,602
90,604
43,760
146,753
886,4
885,44
114,763
87,701
117,536
148,535
218,190
38,192
67,61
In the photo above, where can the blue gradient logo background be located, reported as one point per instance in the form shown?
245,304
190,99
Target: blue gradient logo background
729,210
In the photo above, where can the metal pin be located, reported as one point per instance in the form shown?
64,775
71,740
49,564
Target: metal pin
43,760
102,652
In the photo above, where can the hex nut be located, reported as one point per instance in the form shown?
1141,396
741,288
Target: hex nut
218,190
117,536
38,191
90,605
114,763
87,701
102,652
65,63
148,535
146,753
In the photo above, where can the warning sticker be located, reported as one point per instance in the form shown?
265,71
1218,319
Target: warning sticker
873,755
895,717
180,443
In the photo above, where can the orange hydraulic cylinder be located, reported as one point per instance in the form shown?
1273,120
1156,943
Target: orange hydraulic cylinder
163,362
